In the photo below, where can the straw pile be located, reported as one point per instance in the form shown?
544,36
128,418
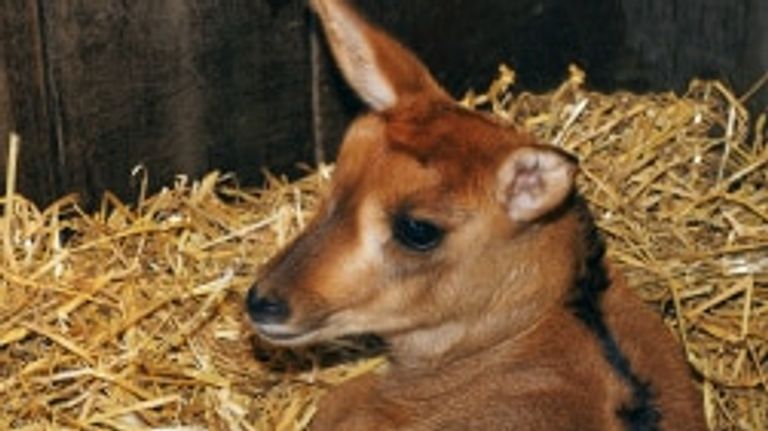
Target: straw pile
131,318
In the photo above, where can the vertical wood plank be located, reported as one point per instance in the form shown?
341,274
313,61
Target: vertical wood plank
25,79
5,110
754,58
128,92
256,65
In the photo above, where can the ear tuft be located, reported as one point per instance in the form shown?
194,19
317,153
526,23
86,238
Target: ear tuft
535,180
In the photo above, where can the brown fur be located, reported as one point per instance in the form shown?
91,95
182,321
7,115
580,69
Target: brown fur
480,331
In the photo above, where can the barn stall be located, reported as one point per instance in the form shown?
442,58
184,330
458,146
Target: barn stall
122,307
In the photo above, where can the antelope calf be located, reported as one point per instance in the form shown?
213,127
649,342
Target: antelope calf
461,242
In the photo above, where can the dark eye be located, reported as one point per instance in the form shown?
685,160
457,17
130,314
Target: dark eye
419,235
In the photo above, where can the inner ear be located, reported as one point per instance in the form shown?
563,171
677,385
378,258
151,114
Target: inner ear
535,180
377,67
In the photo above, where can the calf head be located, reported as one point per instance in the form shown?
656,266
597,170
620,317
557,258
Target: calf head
436,217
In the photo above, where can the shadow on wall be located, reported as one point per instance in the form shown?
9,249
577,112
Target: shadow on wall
640,45
674,41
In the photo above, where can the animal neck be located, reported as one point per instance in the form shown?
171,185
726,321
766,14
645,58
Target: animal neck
418,373
449,345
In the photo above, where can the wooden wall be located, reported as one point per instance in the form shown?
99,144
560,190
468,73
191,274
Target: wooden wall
5,105
669,42
186,86
180,86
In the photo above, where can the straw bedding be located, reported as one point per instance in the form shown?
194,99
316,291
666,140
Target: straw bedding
131,317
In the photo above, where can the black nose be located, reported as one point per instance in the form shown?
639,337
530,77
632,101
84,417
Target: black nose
265,309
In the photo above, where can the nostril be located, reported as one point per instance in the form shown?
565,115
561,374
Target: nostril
265,309
252,298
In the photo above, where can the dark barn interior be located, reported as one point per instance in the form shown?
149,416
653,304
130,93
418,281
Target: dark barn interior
97,88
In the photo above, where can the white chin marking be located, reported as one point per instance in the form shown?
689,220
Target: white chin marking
284,335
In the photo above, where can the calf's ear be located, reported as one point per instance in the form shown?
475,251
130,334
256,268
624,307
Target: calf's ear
377,67
534,180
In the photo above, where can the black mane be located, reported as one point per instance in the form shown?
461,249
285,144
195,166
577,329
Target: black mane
641,413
